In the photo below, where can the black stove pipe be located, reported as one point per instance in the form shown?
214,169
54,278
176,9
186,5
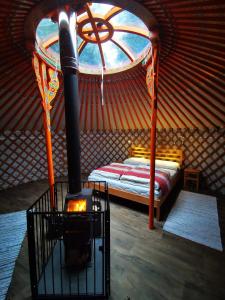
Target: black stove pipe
69,66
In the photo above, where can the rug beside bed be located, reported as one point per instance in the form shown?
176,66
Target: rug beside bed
12,231
195,217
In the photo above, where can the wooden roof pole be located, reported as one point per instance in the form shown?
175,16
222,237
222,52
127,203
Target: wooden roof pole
153,90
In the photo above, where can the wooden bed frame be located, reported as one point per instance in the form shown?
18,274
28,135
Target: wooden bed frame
175,155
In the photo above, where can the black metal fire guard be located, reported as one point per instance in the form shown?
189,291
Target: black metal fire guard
69,252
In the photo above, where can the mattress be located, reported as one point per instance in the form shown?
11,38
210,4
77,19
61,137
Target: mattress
134,178
125,186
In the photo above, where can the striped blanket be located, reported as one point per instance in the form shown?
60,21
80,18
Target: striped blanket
135,175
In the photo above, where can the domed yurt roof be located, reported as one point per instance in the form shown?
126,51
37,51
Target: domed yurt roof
191,76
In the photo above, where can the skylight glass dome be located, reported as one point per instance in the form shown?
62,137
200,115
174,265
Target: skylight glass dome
109,38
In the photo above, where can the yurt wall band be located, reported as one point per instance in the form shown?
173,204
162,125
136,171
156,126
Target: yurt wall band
23,157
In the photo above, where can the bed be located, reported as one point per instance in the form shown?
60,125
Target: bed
130,179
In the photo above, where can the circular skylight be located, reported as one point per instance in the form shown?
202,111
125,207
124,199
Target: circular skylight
108,38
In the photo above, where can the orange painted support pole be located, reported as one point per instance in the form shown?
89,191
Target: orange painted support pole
48,141
48,87
155,63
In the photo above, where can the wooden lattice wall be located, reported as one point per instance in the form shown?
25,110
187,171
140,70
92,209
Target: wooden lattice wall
23,156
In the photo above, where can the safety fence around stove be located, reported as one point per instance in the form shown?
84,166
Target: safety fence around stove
69,251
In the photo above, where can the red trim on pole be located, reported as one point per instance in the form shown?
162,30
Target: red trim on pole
152,168
155,60
51,179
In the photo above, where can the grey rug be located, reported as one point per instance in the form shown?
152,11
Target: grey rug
12,231
195,217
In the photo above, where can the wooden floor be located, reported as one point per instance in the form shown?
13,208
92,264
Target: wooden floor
144,264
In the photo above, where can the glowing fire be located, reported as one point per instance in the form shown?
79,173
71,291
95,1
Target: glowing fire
77,205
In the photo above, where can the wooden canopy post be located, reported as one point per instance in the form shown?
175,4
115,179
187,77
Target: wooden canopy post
48,90
48,141
152,73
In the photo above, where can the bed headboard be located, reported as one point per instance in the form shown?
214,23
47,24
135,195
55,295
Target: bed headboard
170,154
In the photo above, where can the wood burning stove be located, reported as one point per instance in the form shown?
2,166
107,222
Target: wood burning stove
78,229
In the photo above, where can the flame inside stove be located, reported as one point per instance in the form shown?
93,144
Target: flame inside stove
77,205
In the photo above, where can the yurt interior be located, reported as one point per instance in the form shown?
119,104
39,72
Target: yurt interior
112,149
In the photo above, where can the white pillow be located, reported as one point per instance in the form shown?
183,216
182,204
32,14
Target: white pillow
137,161
167,164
